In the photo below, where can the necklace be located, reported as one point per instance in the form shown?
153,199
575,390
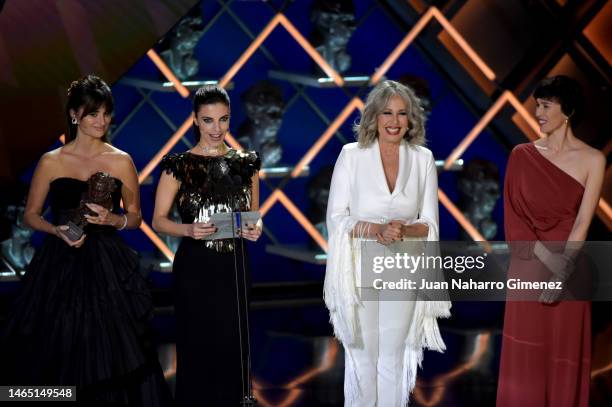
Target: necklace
212,151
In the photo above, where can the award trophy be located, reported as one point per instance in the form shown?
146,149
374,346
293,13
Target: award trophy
100,189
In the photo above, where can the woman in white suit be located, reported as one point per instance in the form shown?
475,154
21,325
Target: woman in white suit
384,188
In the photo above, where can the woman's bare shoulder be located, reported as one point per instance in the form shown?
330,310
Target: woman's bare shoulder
593,158
51,160
117,156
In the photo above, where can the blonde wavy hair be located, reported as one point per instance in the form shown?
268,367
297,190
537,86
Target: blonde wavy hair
366,129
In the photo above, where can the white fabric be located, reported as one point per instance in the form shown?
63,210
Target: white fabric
359,192
379,354
359,188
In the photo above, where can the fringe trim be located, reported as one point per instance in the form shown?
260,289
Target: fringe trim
352,389
340,295
339,288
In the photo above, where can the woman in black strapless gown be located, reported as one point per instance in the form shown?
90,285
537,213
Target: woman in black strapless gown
211,277
82,316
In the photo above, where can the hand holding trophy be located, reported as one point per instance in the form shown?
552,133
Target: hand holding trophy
100,188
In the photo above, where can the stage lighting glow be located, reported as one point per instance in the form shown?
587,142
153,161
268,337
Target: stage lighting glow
432,13
324,138
146,229
180,132
462,220
299,38
167,72
506,97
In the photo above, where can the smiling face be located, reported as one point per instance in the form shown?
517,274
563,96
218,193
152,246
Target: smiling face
212,121
94,124
549,115
392,122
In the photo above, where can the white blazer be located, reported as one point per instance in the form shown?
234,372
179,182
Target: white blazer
359,192
359,188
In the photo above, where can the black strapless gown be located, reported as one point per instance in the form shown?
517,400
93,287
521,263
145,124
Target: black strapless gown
82,318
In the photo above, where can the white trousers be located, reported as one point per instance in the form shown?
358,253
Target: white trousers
379,352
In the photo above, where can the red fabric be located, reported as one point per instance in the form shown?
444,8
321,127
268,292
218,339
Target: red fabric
546,349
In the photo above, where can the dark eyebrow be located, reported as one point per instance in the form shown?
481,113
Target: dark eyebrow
210,117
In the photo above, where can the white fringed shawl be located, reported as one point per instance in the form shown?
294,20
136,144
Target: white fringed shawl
340,294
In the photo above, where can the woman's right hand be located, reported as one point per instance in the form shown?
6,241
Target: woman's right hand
59,233
559,265
391,232
199,231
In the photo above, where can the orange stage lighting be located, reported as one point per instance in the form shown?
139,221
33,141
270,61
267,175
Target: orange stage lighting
602,370
302,220
604,211
297,36
431,13
167,72
295,392
232,141
180,132
441,381
268,203
506,97
462,220
157,241
320,143
279,195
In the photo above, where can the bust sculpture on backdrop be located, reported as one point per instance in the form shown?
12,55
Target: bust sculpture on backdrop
178,46
421,89
318,195
264,107
17,249
334,23
479,190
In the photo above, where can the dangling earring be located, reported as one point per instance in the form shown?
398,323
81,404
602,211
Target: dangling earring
74,121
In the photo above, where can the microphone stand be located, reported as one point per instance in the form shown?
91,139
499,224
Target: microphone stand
247,390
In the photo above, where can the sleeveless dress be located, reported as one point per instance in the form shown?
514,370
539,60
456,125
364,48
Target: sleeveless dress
82,317
546,349
211,281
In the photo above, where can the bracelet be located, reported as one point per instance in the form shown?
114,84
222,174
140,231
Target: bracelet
125,221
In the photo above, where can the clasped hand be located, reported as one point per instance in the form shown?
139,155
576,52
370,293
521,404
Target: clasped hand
391,232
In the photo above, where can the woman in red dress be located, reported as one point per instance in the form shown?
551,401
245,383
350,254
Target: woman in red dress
551,191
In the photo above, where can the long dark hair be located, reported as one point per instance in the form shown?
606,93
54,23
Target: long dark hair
565,91
208,95
89,93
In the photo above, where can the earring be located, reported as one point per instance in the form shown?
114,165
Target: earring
74,121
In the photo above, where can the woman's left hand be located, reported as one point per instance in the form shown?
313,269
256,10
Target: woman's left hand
551,295
252,231
105,217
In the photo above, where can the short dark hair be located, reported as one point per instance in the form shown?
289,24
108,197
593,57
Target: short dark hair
565,91
89,93
208,95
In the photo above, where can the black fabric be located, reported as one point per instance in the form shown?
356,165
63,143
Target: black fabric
82,316
211,369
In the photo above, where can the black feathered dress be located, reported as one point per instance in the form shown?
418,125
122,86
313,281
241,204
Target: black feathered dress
211,280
